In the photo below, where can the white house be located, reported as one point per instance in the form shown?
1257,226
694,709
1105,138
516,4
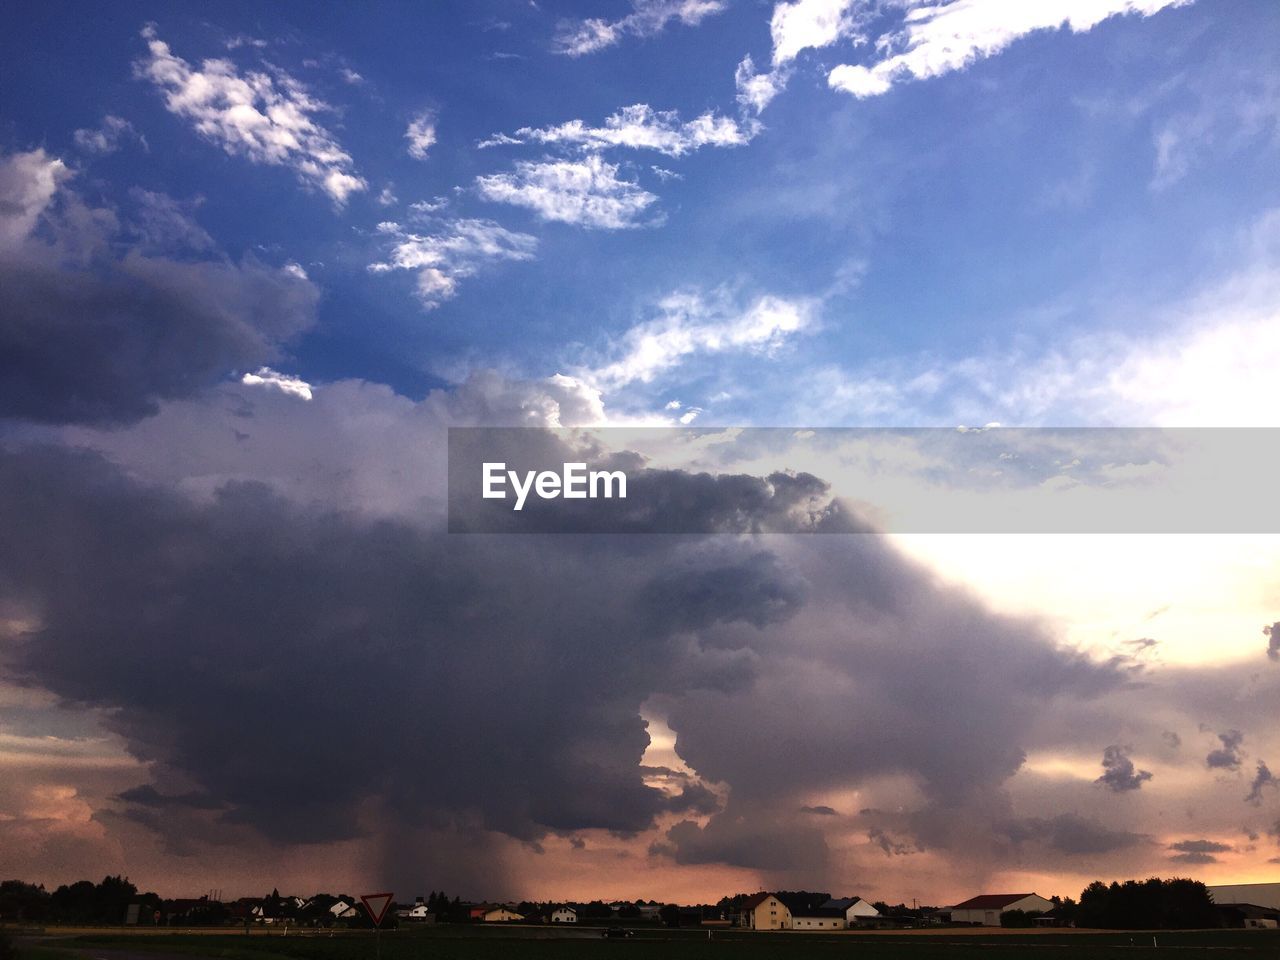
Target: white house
820,919
853,909
564,914
986,910
764,911
341,910
500,915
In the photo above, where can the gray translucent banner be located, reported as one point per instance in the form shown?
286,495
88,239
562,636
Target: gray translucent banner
856,480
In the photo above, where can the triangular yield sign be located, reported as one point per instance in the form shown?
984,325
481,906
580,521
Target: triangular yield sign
376,904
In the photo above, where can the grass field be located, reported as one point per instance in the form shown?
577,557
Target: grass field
532,943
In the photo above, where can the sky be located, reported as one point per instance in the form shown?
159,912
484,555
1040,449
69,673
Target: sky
255,261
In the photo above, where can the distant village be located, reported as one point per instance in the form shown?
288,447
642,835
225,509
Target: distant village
1135,904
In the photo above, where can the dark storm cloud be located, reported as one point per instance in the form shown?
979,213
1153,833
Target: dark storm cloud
495,683
93,333
1119,772
698,591
104,345
1073,835
443,676
1262,779
452,678
1198,851
1226,757
893,846
148,796
744,836
657,500
932,674
821,810
694,798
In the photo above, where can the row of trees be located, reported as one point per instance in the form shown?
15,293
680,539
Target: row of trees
1153,904
81,902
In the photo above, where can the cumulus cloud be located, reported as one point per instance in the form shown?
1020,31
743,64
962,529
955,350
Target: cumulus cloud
97,331
794,27
1273,643
575,38
1119,772
936,39
421,135
691,323
587,192
28,182
402,620
456,250
274,380
267,117
1226,757
639,127
107,136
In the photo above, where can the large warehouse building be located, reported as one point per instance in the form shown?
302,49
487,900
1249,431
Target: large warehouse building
1259,894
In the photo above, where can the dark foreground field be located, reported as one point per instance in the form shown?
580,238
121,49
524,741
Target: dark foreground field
532,943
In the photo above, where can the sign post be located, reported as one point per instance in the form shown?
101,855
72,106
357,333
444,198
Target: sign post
376,904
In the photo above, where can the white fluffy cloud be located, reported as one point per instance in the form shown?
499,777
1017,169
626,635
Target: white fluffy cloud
267,117
639,127
421,135
584,192
28,182
937,38
796,26
934,37
805,24
290,386
690,323
648,17
457,250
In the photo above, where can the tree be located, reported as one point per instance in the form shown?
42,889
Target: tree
23,902
1153,904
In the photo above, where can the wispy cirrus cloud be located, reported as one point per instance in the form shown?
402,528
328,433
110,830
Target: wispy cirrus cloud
938,38
691,323
586,193
269,118
638,127
107,136
576,38
454,251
